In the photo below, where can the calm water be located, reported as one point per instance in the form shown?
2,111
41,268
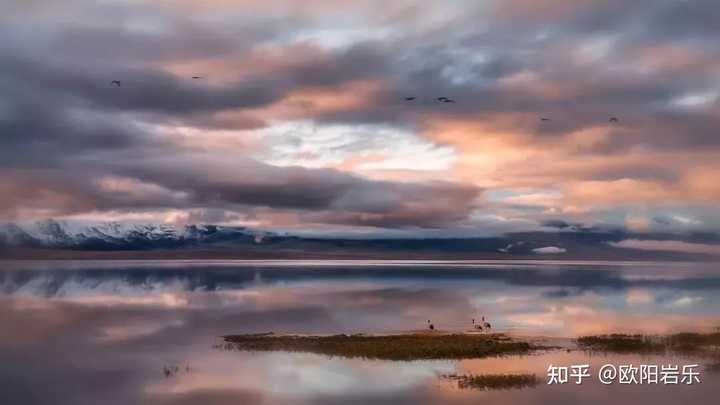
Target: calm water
102,332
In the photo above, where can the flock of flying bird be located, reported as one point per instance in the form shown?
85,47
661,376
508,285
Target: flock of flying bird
117,83
449,100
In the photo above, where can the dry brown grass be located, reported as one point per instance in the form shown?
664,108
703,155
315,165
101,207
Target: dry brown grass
494,381
416,346
698,343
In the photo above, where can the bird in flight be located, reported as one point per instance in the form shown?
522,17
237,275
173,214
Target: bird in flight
545,119
614,119
115,83
197,77
410,98
445,100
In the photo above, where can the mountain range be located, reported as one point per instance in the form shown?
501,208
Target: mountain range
148,240
120,236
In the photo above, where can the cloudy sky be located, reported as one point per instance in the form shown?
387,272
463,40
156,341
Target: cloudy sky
299,121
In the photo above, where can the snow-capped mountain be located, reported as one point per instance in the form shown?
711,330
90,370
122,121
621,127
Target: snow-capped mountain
115,235
235,240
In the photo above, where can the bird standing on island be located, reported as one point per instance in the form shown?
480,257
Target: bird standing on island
485,324
115,83
438,99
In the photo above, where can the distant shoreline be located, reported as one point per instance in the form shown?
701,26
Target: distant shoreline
348,256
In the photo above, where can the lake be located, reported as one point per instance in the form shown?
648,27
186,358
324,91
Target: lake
90,332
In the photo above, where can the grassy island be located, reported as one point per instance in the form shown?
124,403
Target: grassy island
414,346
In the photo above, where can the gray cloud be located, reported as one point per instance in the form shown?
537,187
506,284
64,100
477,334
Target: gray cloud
65,129
191,181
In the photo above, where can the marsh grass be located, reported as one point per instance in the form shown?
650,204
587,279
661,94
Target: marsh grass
385,347
494,381
621,343
689,343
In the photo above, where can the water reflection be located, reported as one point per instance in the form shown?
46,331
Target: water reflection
110,329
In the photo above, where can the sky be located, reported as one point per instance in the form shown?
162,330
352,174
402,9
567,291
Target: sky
299,121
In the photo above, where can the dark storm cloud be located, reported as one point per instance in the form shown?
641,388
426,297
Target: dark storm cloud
391,205
658,19
687,19
89,131
333,196
412,67
149,89
586,96
192,181
82,83
142,90
72,143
